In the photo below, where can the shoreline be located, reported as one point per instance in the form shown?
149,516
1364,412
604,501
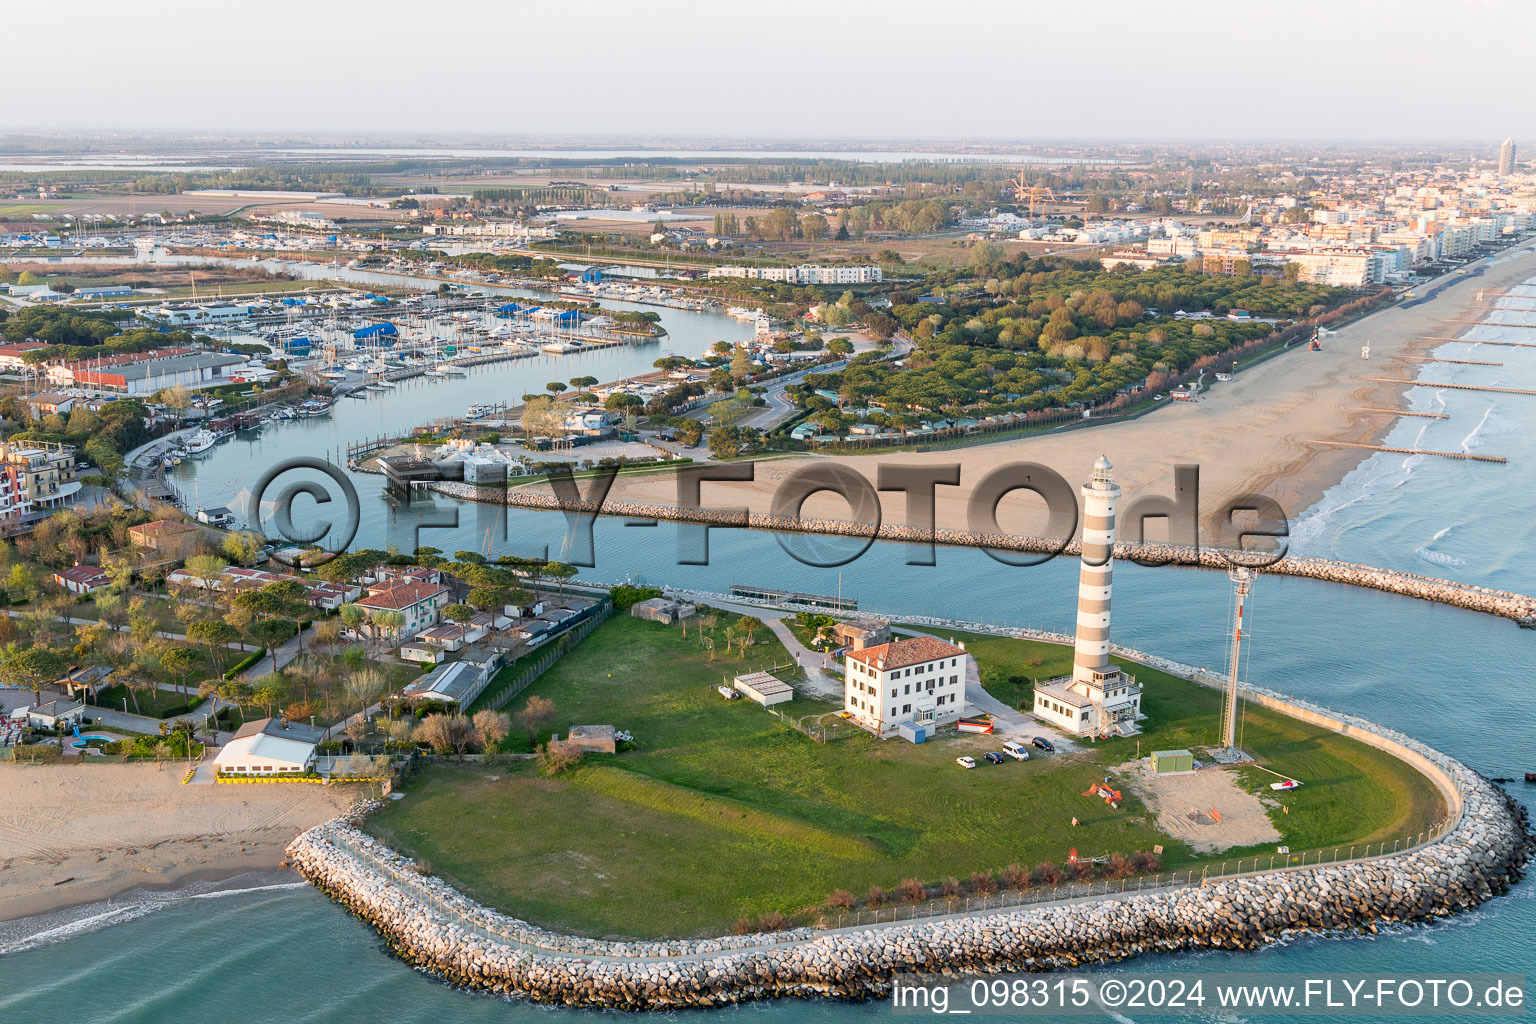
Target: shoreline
1250,435
1478,851
56,923
77,835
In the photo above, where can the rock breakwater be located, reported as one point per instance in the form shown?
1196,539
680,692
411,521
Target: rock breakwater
1507,604
1483,850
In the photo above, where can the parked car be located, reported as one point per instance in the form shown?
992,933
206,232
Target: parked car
966,762
994,757
1044,744
1015,750
728,693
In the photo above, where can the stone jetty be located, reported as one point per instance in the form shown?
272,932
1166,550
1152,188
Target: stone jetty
1481,852
1507,604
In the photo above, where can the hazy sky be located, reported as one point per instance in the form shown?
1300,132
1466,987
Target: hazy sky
1015,69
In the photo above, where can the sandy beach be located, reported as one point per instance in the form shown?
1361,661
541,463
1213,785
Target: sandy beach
1253,434
111,828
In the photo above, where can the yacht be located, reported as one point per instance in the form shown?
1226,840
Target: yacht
200,442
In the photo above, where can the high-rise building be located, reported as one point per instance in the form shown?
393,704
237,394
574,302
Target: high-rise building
1098,699
1507,157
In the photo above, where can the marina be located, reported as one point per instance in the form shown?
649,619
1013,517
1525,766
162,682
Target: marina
727,524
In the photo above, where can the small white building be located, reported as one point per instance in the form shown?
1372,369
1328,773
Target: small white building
1108,703
55,714
765,688
82,579
270,746
424,654
920,680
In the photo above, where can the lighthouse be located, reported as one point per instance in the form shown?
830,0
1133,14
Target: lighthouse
1097,699
1090,662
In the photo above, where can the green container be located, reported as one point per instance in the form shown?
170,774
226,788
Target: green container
1173,761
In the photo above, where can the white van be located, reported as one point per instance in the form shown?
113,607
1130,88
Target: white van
727,692
1015,751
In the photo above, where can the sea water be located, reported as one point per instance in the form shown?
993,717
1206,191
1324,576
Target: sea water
1455,679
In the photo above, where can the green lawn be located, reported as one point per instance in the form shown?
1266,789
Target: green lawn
723,811
150,703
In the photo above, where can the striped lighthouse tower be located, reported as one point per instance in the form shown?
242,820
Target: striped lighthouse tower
1093,585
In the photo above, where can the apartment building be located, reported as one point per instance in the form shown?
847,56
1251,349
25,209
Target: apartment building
39,478
805,274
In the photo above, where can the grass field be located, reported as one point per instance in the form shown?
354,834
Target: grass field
723,811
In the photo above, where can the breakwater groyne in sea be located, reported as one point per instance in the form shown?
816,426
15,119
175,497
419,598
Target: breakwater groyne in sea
1507,604
1479,851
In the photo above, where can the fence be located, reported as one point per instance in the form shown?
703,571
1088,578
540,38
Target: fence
520,935
1068,892
564,642
821,732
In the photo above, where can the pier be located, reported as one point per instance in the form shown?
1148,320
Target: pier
1412,451
1405,412
1442,359
1457,387
1475,341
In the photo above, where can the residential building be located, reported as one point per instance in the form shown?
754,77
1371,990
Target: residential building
418,602
270,746
40,478
168,537
918,680
805,274
11,356
82,579
49,403
235,578
83,681
219,516
1507,155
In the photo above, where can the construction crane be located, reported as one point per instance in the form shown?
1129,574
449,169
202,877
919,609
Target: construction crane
1023,192
1242,579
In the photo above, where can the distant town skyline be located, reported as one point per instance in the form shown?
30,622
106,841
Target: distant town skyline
793,69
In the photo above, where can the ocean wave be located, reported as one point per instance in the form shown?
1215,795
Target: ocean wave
1473,439
57,926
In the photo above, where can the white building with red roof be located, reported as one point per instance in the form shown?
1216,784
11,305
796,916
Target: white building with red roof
419,602
82,579
920,680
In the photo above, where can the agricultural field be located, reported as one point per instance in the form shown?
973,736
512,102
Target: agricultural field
724,812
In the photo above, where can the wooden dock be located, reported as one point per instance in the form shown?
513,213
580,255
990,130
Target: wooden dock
1413,451
1442,359
1457,387
1405,412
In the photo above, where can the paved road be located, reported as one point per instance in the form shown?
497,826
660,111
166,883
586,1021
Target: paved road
1014,722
